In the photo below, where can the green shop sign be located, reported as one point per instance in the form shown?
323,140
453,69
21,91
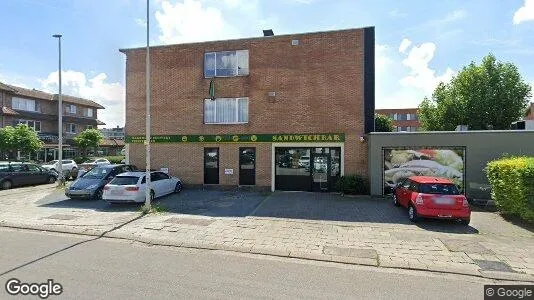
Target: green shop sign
242,138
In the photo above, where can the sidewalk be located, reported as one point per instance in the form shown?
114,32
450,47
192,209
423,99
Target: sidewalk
492,247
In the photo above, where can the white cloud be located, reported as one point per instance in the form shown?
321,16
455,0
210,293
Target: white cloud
404,45
403,79
421,76
140,22
454,16
525,13
108,94
191,21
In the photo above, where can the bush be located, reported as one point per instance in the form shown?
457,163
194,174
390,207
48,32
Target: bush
353,185
115,159
512,184
81,160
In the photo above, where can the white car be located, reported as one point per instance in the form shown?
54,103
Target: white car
131,186
304,162
69,167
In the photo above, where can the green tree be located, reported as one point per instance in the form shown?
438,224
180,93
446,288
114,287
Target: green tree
89,138
490,95
383,123
6,141
25,140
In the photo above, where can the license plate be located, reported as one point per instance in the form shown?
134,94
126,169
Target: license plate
443,200
116,192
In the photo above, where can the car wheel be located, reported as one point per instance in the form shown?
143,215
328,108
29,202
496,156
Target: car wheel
6,185
178,187
52,179
465,221
395,200
412,214
98,194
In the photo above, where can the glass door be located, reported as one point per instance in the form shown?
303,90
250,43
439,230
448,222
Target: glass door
247,166
211,165
320,166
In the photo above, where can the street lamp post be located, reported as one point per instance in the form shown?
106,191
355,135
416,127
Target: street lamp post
60,118
147,129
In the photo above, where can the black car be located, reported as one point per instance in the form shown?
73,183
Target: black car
19,174
90,185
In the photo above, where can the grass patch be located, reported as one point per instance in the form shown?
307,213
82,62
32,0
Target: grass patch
153,209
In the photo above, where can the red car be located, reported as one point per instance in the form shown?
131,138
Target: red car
432,197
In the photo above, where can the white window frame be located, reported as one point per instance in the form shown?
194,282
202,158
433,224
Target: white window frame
236,111
21,121
87,114
237,53
69,128
70,109
18,100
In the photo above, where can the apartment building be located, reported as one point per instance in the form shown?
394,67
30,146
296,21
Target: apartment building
39,110
288,112
115,133
404,119
530,112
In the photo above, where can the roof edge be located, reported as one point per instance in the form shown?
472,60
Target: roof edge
126,50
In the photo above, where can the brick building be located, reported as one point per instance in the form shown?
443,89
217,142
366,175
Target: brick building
530,112
286,112
39,110
404,119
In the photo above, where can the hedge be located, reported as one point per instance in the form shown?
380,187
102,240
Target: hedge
512,185
353,184
112,159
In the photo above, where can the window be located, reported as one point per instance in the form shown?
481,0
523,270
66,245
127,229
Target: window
226,111
71,128
439,188
25,104
402,117
88,112
33,168
70,109
226,63
35,125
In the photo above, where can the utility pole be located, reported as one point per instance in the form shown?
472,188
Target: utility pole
147,129
60,118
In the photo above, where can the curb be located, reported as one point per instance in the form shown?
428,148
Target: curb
519,277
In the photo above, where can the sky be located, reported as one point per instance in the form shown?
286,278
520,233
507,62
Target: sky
418,43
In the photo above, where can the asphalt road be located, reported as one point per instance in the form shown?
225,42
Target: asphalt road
90,268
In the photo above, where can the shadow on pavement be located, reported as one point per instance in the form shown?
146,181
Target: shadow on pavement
290,205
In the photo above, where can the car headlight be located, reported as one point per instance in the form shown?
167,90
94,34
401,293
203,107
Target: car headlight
92,186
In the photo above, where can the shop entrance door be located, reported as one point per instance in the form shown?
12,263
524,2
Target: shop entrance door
320,169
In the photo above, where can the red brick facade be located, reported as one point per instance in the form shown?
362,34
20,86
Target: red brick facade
318,86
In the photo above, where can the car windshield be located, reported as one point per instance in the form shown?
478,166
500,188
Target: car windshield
92,161
52,162
97,173
439,188
125,180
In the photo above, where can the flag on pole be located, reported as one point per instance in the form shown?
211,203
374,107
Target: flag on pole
212,90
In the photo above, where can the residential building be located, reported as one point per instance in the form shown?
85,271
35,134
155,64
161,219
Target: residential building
39,110
113,133
287,112
404,119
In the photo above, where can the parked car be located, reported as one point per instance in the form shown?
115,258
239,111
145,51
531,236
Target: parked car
95,162
69,167
432,197
90,185
19,174
131,187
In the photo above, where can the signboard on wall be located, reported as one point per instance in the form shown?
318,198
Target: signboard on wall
242,138
229,171
401,163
